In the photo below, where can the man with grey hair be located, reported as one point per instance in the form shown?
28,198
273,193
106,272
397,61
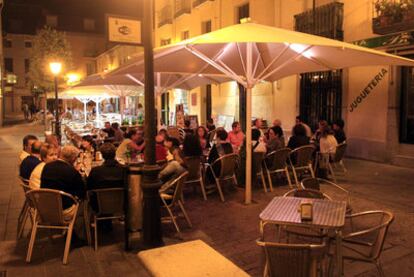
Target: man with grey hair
62,175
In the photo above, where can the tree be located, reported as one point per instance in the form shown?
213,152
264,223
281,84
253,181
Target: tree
48,45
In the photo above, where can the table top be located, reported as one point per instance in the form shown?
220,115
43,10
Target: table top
188,259
285,211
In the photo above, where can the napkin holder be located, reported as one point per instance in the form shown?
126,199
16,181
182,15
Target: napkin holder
306,211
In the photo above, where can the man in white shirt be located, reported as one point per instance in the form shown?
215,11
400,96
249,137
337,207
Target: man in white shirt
27,145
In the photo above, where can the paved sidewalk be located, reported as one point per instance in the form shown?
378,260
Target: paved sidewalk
231,227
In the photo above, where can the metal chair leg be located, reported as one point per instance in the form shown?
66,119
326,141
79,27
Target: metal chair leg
95,223
341,162
185,213
87,222
263,181
332,172
295,176
219,189
203,189
311,171
68,241
23,223
379,268
288,177
31,243
173,219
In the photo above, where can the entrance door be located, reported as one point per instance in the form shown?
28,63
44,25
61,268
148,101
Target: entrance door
407,106
320,96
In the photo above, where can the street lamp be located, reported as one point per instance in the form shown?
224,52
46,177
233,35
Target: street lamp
55,68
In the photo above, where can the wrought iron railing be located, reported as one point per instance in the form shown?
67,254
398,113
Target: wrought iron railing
391,16
165,16
181,7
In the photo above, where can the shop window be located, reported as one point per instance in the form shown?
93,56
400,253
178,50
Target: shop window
407,106
28,44
165,41
88,24
243,12
206,27
185,35
26,65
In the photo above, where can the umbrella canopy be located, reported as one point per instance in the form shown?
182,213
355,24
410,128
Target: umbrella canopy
249,53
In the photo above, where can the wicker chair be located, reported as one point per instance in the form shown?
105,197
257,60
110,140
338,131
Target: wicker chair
332,161
257,167
294,260
275,162
49,214
171,200
365,242
228,164
307,193
301,159
330,188
110,205
27,209
195,173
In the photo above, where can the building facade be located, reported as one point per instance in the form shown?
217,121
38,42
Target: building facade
375,102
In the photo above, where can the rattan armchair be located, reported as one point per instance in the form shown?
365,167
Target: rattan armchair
227,164
276,162
332,160
257,168
195,173
301,160
49,214
294,260
110,205
366,240
170,201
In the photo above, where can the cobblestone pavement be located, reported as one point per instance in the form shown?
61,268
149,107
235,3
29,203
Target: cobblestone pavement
231,227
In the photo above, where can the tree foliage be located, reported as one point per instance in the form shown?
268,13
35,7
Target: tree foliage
48,45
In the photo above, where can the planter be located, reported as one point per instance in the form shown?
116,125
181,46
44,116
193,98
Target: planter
385,21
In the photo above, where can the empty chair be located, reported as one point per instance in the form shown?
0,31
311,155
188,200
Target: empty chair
366,240
227,171
27,209
195,173
294,260
257,168
337,192
49,214
338,159
276,162
110,204
301,160
171,196
307,193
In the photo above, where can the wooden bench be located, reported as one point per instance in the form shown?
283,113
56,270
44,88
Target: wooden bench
188,259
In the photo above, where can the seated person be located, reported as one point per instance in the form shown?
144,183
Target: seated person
118,133
338,128
327,142
62,175
133,143
192,147
175,165
88,145
48,153
210,125
274,142
27,144
108,129
30,162
201,135
187,129
299,137
109,175
160,151
236,136
220,148
52,139
322,124
257,144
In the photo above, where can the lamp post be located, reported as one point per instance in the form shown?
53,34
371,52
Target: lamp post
151,222
55,68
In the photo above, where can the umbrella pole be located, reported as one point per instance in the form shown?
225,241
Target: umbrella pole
248,191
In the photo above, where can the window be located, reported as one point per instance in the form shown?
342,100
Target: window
52,20
28,44
7,43
8,64
185,35
243,12
407,106
88,24
206,27
165,41
26,65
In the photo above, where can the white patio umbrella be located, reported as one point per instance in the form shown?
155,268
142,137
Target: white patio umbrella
249,53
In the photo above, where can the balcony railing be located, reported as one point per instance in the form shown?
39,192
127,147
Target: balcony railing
324,21
182,7
197,3
392,16
165,16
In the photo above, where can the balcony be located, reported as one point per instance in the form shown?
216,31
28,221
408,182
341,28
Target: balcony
165,16
197,3
182,7
392,16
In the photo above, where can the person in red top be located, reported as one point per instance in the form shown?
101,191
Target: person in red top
236,136
160,151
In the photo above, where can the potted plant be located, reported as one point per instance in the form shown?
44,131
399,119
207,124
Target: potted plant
388,12
407,9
